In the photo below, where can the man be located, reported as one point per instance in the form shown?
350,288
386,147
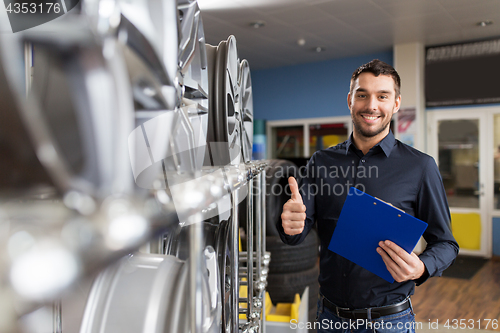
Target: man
375,162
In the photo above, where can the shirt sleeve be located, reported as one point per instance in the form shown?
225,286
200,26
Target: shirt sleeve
306,181
432,207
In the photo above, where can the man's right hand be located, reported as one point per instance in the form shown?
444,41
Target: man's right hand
294,211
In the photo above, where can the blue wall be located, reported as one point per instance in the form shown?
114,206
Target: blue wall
309,90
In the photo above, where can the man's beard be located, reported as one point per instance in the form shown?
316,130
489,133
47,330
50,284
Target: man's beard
372,132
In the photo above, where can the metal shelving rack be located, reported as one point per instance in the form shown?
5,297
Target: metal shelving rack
254,273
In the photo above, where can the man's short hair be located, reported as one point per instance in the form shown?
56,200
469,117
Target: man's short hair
377,67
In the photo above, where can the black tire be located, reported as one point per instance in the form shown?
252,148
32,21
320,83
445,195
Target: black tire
282,287
277,174
292,258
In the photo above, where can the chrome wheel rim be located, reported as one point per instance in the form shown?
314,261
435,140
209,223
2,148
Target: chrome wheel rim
227,99
246,111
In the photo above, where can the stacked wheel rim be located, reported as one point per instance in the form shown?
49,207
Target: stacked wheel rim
246,111
227,117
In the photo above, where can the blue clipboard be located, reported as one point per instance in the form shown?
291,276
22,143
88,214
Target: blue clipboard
365,221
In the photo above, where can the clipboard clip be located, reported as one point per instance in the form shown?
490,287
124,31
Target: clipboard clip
389,204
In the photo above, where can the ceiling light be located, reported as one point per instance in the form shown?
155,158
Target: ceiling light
319,49
232,4
257,24
301,42
484,23
217,4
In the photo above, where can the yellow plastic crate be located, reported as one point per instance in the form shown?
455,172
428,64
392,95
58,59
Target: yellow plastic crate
282,312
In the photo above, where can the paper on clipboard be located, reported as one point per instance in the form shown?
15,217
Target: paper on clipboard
365,221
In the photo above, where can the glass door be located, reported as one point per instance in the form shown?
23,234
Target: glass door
457,143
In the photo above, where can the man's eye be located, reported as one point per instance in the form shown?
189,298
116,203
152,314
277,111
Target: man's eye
383,97
361,96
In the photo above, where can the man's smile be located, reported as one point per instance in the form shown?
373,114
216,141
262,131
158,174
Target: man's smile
370,118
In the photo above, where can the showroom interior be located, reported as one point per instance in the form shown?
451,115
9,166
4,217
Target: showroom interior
187,118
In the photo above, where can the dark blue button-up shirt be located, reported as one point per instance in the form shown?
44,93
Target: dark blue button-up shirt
395,173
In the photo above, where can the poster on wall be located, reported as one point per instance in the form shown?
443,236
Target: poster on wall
407,125
462,74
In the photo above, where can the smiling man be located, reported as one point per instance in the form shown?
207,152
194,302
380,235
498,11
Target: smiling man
352,298
372,99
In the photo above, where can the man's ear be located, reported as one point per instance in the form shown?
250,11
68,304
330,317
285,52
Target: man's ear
349,100
397,104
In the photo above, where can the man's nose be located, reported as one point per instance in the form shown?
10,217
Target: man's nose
373,103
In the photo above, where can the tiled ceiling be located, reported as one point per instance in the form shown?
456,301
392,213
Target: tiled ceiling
343,28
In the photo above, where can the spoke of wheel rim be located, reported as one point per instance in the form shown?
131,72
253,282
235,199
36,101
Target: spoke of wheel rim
231,117
235,141
193,74
190,14
247,140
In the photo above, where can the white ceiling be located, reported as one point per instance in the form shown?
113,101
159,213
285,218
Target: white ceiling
344,28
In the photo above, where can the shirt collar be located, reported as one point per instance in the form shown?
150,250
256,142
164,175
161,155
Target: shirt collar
386,144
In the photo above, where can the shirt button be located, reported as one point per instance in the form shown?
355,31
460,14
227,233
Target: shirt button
344,274
363,161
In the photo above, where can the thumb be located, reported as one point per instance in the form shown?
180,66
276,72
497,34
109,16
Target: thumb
294,188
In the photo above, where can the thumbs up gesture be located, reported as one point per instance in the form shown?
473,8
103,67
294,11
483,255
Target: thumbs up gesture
294,211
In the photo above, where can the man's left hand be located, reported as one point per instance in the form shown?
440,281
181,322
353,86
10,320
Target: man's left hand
401,265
